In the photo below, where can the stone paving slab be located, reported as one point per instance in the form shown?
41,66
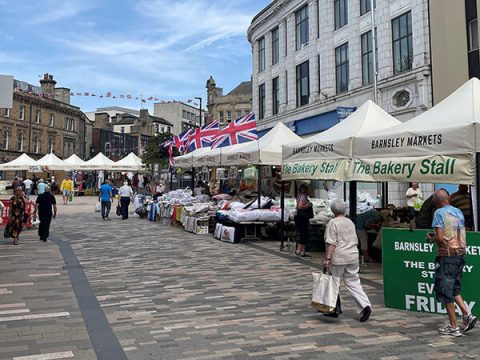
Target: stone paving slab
172,295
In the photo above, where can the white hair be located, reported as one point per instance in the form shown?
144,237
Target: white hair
338,207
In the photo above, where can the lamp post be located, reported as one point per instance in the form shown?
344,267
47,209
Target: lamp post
200,110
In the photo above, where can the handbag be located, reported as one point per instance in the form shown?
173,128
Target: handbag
119,210
325,292
306,213
7,232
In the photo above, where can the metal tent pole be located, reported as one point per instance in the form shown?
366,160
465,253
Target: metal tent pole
477,192
353,200
282,213
259,185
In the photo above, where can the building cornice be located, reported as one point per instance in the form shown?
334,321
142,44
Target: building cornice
265,15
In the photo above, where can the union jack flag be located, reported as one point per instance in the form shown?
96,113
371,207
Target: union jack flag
202,137
180,140
239,131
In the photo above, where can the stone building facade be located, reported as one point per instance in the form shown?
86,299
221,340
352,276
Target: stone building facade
312,57
182,116
226,108
40,122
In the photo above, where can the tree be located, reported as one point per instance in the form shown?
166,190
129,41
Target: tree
155,153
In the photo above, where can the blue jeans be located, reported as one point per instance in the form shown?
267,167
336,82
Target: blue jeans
106,206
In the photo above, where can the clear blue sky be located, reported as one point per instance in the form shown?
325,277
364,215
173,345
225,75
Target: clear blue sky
161,48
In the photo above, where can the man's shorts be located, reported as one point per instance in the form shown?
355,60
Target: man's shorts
66,193
448,277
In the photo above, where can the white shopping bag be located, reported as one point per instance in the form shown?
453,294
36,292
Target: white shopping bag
98,207
325,292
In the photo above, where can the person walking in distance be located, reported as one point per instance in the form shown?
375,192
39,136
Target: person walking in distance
450,237
342,258
125,193
105,197
46,207
28,187
66,188
18,215
302,220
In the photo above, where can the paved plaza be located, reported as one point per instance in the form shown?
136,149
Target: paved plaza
140,290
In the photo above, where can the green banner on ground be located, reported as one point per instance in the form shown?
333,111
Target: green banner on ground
409,269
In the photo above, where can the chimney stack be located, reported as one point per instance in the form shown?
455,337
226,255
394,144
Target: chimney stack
48,84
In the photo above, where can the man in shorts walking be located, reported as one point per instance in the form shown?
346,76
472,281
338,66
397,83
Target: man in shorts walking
449,226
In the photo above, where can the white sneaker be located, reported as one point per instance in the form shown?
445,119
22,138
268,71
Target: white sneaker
448,330
469,322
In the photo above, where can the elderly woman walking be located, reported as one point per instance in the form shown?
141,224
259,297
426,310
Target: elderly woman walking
342,257
17,215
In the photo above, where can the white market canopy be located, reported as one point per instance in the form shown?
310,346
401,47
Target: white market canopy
327,155
436,146
74,161
99,162
53,162
130,162
265,151
23,162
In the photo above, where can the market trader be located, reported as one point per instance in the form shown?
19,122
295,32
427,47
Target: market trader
105,197
414,198
450,236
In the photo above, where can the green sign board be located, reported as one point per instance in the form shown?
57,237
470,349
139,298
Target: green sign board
409,268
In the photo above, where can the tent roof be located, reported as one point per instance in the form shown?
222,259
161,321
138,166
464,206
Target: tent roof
337,142
23,162
367,118
129,162
455,119
53,162
268,149
74,160
99,162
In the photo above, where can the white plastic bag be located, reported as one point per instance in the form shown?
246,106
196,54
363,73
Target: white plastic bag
98,207
325,292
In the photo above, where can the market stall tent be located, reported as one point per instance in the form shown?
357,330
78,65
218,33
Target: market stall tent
265,151
99,162
130,162
437,146
327,155
74,161
23,162
53,162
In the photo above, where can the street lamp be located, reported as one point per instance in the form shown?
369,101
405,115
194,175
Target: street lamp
200,110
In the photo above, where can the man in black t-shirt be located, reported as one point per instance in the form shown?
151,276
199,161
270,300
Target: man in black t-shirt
44,205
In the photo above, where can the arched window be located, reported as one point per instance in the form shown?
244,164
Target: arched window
5,139
36,144
50,145
20,140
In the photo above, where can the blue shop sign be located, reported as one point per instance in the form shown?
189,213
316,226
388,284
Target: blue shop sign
344,112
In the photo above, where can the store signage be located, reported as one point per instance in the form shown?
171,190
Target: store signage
322,169
434,168
343,112
409,269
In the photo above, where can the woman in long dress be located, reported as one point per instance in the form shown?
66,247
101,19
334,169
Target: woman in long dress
17,214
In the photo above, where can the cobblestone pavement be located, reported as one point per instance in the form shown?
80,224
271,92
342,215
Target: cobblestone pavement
168,294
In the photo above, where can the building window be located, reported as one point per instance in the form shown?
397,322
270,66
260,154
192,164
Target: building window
402,43
50,145
367,58
365,6
37,116
20,141
122,129
275,95
22,112
303,84
5,139
301,27
261,54
401,98
239,114
36,144
472,35
7,113
220,115
229,116
261,101
341,68
341,13
169,129
275,46
52,119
